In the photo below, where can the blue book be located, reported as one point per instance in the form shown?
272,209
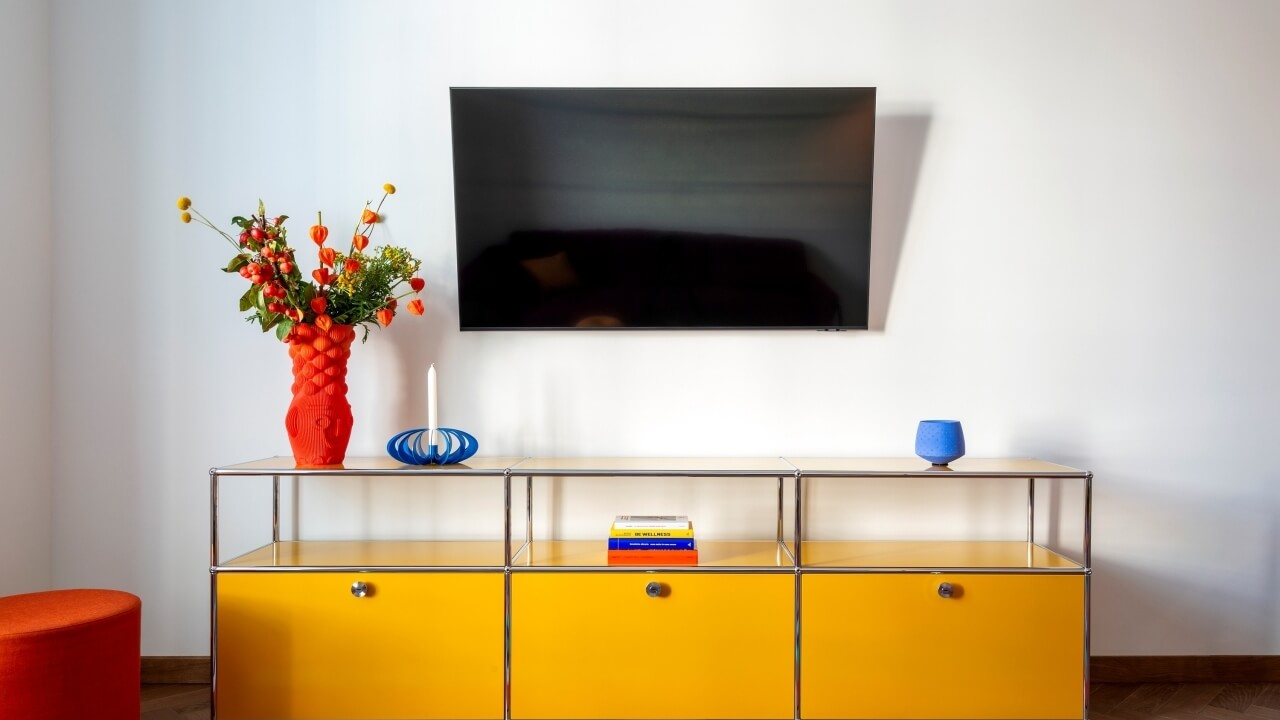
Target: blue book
652,544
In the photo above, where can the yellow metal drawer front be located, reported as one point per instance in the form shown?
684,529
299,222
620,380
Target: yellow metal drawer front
889,646
596,645
301,645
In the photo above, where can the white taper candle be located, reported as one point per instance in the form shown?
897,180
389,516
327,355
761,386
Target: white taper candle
431,405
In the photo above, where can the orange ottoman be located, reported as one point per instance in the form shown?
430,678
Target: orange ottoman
70,654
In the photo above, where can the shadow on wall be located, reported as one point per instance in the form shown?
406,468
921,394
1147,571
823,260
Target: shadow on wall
413,351
900,144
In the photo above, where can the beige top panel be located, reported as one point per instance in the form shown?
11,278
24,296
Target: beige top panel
708,466
377,465
897,467
655,465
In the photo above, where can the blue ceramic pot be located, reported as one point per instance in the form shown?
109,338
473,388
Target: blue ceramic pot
940,441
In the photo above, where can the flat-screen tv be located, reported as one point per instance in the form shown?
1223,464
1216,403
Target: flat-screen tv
663,208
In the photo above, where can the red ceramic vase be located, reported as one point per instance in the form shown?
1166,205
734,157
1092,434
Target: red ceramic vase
319,418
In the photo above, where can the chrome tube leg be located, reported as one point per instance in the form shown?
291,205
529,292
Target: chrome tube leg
213,594
1031,510
506,643
781,530
795,677
1088,520
1088,579
506,518
1088,582
506,595
796,530
213,518
213,645
528,510
275,508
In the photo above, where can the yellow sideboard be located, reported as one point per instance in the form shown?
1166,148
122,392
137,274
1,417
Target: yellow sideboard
789,627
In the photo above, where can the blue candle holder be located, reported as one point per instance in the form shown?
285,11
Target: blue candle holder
940,441
407,447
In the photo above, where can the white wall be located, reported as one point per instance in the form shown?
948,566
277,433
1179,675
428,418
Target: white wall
1074,233
26,417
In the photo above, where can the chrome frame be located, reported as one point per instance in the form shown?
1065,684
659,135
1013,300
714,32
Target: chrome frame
275,508
506,595
793,555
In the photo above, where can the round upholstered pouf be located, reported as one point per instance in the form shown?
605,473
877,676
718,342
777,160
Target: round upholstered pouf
68,654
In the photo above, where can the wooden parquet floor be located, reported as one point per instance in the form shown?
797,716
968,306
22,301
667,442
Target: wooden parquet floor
1111,701
175,702
1185,701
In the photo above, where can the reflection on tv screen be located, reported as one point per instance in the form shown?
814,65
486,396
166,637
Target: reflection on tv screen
663,208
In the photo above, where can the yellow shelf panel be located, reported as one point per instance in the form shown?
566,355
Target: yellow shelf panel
711,553
374,553
930,554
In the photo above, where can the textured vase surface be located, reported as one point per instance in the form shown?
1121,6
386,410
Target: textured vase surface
319,417
940,441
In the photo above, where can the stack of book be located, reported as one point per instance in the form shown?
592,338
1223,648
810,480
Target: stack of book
652,540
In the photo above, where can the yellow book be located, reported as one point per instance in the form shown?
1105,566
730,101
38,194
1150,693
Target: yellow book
617,532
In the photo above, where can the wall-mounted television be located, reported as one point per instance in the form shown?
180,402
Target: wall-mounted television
663,208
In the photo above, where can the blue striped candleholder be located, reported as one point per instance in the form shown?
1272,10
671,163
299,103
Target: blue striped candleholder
407,447
940,441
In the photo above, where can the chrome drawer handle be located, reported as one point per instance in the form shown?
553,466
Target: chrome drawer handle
361,589
654,589
945,590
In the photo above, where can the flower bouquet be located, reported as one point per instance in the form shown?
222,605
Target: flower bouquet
317,317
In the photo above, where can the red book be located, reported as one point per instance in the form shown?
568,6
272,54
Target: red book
653,557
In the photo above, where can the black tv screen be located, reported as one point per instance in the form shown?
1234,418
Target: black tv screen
672,208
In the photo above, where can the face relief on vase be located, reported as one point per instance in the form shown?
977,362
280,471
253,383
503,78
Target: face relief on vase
431,405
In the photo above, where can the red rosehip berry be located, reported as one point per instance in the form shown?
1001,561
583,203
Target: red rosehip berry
286,267
256,233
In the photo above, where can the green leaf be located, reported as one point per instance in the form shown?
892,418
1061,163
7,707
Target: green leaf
246,300
281,219
236,263
282,330
241,221
260,301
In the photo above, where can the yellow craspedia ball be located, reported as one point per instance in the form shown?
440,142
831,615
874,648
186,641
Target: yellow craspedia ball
185,216
389,189
184,202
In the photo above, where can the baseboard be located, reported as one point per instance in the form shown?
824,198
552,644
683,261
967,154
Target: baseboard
1185,668
161,670
171,670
